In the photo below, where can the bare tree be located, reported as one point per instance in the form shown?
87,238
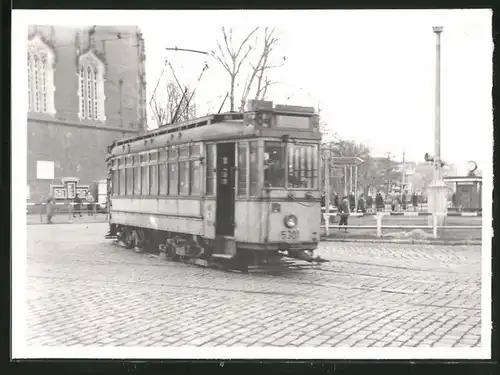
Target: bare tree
175,107
259,70
231,58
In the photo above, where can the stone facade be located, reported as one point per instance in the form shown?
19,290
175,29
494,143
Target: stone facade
77,146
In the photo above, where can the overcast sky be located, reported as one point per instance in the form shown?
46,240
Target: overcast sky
371,72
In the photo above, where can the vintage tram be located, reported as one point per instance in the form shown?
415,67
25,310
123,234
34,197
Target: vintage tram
241,190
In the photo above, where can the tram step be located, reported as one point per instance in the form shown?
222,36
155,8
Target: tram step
223,256
108,237
226,245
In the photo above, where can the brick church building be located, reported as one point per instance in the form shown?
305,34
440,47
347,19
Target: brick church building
86,88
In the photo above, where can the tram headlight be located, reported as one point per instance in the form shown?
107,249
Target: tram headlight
291,221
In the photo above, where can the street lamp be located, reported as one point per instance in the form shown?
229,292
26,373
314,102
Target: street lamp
437,190
437,119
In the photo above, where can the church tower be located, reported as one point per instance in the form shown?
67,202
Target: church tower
86,88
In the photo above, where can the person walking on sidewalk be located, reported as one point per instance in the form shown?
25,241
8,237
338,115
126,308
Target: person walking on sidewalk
50,209
344,213
369,203
379,202
90,204
78,209
361,204
414,201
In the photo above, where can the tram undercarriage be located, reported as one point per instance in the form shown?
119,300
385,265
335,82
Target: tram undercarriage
221,253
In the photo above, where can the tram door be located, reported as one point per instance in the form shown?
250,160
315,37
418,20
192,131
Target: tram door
225,189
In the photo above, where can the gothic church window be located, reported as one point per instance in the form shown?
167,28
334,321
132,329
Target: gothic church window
41,86
91,87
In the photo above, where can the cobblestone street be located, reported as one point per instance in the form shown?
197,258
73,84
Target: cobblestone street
84,290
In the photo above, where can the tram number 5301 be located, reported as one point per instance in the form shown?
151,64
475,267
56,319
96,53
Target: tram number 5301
290,235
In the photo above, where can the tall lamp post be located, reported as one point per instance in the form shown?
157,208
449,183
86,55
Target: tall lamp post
437,190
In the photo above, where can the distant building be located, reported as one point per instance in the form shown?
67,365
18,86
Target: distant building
86,88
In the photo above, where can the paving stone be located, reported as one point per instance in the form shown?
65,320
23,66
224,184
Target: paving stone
82,290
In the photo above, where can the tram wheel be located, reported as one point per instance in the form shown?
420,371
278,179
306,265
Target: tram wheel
170,253
136,241
127,238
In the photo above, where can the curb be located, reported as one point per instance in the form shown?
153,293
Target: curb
67,222
411,214
406,242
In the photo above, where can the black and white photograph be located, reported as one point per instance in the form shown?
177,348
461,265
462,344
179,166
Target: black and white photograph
252,184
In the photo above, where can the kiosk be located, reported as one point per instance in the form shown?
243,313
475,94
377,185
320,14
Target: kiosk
467,189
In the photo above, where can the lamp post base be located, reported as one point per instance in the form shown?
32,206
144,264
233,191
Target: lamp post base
438,202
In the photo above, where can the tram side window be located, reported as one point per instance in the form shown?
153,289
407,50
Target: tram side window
144,176
162,171
195,150
173,177
129,176
137,176
314,166
116,165
274,164
195,177
184,178
242,169
121,183
210,174
153,174
254,169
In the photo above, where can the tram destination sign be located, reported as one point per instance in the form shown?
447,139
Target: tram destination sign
290,121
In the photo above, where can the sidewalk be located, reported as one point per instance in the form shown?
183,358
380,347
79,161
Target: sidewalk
34,219
445,237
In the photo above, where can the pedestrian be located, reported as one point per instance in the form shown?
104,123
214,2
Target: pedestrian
361,204
352,202
454,200
414,201
403,201
336,201
50,209
379,202
369,203
77,202
393,204
90,204
344,213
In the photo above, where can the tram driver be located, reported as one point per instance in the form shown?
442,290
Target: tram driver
274,170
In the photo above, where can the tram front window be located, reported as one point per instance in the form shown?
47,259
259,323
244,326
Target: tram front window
303,166
274,164
299,161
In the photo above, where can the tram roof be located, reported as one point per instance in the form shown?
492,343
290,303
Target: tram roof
207,128
224,130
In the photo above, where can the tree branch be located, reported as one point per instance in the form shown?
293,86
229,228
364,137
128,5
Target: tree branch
243,59
222,60
246,40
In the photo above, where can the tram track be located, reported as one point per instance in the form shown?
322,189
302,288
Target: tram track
302,296
300,278
288,274
284,273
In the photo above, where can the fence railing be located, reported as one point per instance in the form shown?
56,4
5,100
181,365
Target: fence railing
327,221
